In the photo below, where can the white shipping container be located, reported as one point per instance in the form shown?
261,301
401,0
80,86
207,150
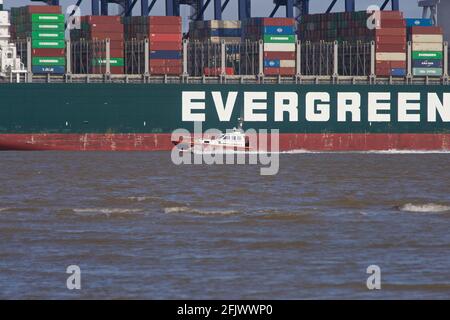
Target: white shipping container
287,63
216,24
226,39
391,56
421,46
428,38
279,47
4,32
4,20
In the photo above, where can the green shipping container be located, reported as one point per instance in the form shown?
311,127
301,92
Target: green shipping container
54,27
47,18
114,62
48,44
44,35
279,39
427,54
437,72
49,61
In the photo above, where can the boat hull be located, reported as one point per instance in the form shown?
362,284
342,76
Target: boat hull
288,142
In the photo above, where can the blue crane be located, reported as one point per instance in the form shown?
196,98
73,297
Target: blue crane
200,6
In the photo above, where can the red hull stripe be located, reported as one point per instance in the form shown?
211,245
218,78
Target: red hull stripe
288,142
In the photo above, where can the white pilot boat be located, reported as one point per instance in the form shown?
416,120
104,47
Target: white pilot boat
234,141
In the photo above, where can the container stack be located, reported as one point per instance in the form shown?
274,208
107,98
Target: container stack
96,30
427,47
389,35
45,26
279,39
215,31
165,37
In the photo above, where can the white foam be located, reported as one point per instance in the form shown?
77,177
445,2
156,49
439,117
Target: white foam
425,208
106,211
169,210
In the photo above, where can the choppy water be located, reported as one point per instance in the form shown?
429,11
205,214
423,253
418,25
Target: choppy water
140,227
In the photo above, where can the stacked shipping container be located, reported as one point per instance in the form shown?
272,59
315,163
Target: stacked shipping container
165,37
97,29
45,26
216,32
390,41
427,47
389,35
279,39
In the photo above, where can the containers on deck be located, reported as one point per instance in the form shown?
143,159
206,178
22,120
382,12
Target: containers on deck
427,50
165,41
279,39
215,31
45,26
388,32
97,29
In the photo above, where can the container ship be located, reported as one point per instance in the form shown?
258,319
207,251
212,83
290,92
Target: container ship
335,81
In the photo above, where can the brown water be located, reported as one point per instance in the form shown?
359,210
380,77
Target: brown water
140,227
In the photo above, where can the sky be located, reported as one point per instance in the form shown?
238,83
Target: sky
259,7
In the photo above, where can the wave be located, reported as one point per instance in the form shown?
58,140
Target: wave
390,151
96,212
169,210
141,198
424,208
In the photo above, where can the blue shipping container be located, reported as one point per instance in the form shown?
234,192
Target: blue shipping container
419,22
397,72
48,69
271,63
431,63
226,32
279,30
165,54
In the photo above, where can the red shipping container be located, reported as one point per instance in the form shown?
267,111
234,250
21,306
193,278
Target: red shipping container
217,71
393,23
390,40
426,30
48,52
109,28
398,64
44,9
271,71
169,46
278,22
174,70
166,70
287,71
168,37
101,19
391,14
165,20
116,53
113,36
165,29
391,47
391,32
165,63
383,64
279,55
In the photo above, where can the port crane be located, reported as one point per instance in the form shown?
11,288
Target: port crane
292,8
429,5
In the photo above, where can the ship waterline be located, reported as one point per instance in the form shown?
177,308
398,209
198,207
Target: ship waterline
287,142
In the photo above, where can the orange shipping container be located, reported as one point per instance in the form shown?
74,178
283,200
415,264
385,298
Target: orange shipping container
169,37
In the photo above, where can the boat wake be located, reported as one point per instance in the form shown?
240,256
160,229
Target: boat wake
170,210
424,208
